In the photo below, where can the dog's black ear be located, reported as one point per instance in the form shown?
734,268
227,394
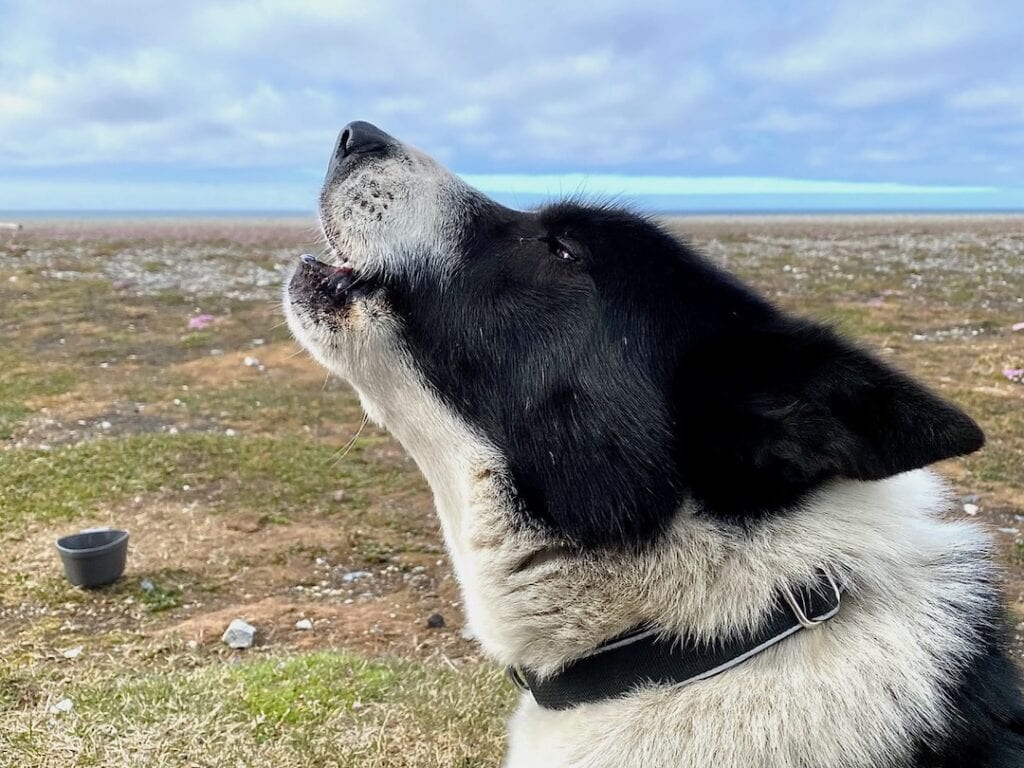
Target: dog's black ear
763,417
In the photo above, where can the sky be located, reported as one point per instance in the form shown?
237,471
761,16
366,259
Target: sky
688,106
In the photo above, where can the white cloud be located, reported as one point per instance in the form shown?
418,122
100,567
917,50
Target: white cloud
152,91
782,120
882,90
995,97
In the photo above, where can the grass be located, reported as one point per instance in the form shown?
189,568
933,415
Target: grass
157,597
19,384
263,475
323,708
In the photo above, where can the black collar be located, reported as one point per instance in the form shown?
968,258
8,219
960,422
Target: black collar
646,656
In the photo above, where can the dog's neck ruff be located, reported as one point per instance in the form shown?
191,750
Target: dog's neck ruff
647,657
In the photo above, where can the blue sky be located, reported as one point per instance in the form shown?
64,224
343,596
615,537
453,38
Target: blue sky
732,104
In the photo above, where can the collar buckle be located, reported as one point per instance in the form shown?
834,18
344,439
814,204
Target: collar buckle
514,672
800,610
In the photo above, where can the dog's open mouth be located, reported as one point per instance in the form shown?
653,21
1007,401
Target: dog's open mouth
334,283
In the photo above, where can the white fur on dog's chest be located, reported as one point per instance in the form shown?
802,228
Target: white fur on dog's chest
856,693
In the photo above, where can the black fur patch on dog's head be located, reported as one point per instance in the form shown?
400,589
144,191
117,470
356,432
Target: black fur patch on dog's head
622,375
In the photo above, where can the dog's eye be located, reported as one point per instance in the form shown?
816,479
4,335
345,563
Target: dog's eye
559,249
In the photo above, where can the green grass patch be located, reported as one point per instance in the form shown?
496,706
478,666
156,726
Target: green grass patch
325,708
306,689
857,322
196,340
159,597
265,475
18,385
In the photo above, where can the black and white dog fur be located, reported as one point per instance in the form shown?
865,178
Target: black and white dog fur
618,433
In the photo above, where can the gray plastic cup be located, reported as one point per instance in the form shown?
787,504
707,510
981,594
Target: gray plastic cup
94,558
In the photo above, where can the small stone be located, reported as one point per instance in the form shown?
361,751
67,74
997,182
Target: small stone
435,621
419,569
339,495
239,634
251,362
105,425
147,586
61,707
229,432
304,624
353,576
971,509
72,653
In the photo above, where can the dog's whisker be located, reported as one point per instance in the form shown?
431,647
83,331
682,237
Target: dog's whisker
351,443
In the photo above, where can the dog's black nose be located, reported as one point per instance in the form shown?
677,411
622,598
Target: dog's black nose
360,136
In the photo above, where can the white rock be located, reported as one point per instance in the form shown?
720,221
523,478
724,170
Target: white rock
304,624
72,653
352,576
971,509
239,634
250,361
62,706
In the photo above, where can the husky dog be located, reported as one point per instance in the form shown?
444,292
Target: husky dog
636,461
